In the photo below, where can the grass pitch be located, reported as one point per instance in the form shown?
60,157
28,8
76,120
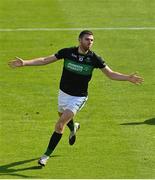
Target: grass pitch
116,139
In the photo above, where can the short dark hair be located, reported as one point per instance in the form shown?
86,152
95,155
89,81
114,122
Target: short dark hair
82,33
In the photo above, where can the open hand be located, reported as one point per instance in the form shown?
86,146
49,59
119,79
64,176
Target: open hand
18,62
133,78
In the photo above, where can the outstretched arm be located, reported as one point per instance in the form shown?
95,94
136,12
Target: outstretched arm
18,62
133,78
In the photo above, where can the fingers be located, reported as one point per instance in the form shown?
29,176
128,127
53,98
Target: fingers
139,80
136,79
12,64
18,62
19,58
134,74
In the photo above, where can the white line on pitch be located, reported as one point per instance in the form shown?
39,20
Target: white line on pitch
75,29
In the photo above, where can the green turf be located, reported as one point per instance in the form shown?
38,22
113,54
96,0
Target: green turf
116,139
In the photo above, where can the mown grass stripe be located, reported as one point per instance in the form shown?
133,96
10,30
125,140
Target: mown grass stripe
76,29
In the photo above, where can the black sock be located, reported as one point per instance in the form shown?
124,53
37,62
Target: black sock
55,138
71,125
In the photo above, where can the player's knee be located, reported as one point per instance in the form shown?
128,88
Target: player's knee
59,128
64,119
66,116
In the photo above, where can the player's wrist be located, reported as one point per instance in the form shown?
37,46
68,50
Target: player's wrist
24,63
128,78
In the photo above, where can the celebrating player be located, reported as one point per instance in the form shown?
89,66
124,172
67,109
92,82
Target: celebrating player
79,63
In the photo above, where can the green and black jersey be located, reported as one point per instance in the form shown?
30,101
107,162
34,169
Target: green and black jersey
77,70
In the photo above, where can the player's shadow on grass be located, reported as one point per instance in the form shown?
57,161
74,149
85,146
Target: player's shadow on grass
11,170
148,122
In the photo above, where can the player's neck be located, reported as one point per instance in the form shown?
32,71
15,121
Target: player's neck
82,51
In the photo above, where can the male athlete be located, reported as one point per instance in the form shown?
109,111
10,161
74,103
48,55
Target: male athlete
79,63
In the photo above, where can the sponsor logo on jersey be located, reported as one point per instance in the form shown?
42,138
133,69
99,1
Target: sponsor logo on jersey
74,67
83,69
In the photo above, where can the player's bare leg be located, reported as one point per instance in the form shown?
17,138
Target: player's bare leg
66,116
74,127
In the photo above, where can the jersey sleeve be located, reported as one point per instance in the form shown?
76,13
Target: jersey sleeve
99,62
62,53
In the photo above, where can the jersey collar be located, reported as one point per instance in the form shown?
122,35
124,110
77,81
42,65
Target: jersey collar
88,53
